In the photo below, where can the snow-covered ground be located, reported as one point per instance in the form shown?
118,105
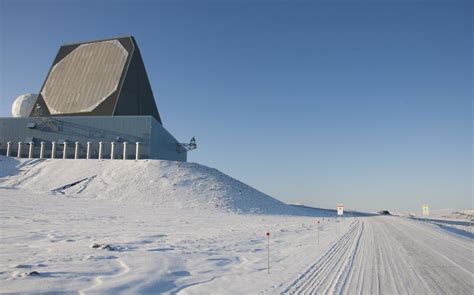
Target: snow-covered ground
166,227
454,214
169,226
167,184
446,214
458,222
152,249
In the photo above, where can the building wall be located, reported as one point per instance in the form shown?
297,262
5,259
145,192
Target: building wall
164,144
155,141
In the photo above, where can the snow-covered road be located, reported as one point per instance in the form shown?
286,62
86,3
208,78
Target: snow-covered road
391,255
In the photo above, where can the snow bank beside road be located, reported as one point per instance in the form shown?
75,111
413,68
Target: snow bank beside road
452,214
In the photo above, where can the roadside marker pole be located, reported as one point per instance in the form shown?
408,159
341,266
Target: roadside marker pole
318,232
268,252
340,212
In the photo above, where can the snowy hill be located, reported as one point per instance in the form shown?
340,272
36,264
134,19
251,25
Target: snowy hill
165,183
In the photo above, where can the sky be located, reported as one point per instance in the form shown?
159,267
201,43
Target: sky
364,103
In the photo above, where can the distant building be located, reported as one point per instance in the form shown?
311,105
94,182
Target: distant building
96,92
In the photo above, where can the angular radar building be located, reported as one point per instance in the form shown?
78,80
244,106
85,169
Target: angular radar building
96,102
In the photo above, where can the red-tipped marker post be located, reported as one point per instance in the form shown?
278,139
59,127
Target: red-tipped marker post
318,232
268,252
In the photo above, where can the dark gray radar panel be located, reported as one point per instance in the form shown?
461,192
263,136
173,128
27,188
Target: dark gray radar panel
98,78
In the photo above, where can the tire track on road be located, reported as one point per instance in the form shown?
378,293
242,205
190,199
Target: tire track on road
390,255
325,275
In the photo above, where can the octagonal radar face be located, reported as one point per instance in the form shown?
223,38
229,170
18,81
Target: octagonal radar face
84,78
23,105
97,78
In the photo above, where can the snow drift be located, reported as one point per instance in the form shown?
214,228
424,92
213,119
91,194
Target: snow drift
168,184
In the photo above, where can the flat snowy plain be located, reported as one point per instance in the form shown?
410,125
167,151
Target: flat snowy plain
182,228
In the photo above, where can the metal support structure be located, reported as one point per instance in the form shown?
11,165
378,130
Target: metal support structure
27,150
186,147
112,150
137,151
88,151
30,151
42,150
125,150
18,155
9,148
76,151
53,150
65,150
100,150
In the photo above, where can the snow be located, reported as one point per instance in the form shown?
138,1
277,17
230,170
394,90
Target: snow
150,226
447,214
459,222
23,105
159,226
452,214
168,184
154,250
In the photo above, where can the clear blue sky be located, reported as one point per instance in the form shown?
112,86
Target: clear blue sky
321,102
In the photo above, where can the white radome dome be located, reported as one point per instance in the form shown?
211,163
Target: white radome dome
23,105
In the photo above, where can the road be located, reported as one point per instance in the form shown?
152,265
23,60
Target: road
391,255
